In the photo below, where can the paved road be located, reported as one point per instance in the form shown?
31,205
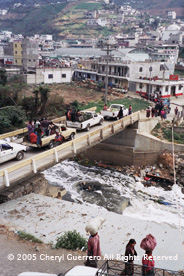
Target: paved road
34,151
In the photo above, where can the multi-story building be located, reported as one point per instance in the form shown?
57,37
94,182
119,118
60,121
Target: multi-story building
29,54
171,15
147,76
164,52
8,54
17,52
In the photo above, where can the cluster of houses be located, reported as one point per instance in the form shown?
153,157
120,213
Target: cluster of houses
143,61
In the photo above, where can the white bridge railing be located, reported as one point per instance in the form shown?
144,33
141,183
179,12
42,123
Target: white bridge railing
43,160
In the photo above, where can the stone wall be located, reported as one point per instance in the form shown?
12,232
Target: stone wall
178,129
37,184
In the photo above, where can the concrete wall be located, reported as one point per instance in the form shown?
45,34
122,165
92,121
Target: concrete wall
130,147
31,78
179,129
146,125
147,143
123,138
121,155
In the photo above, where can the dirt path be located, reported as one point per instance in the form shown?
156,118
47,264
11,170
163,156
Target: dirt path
24,252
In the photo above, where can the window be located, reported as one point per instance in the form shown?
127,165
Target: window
140,69
5,147
180,87
15,45
63,75
29,60
166,89
50,76
16,52
140,85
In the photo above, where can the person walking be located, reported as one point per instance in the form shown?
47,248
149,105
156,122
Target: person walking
120,114
94,250
148,264
130,110
130,252
176,111
148,111
162,113
153,112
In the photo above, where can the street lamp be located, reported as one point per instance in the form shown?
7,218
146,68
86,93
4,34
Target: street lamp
150,70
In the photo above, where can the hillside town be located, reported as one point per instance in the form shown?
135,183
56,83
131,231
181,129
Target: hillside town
98,120
143,60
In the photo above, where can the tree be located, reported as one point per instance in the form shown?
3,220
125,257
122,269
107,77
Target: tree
36,99
3,77
28,104
11,117
44,93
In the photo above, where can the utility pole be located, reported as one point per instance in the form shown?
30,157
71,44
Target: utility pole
108,47
149,95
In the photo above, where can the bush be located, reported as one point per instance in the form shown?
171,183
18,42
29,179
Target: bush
28,237
11,117
75,103
71,240
167,134
157,126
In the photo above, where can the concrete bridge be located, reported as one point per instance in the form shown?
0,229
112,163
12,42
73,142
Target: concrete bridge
20,171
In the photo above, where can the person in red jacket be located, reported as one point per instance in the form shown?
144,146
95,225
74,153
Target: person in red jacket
148,264
58,138
93,250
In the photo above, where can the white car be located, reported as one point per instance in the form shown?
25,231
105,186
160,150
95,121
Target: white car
78,270
10,151
113,110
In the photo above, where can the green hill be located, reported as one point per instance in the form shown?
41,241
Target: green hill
64,20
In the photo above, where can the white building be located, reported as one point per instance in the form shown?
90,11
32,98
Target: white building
46,37
147,76
171,14
171,29
102,22
3,12
50,75
92,22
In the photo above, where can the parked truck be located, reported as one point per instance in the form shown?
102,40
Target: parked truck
86,120
10,151
113,110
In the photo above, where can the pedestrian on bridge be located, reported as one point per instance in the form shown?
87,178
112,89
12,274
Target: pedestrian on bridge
94,251
120,114
130,252
148,111
148,264
130,110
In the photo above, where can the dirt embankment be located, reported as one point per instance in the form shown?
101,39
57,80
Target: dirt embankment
73,91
